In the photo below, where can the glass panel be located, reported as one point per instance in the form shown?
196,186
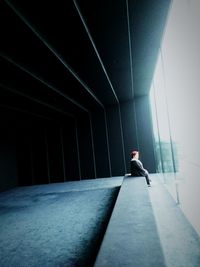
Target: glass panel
162,118
157,148
177,97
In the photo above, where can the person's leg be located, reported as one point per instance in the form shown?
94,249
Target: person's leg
147,179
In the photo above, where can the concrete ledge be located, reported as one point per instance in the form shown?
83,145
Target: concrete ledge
131,238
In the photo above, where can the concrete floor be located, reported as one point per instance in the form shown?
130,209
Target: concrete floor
180,242
148,228
177,241
60,224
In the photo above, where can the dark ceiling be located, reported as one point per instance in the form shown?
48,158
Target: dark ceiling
63,57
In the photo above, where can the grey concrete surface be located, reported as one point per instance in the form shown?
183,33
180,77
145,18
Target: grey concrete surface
180,242
131,238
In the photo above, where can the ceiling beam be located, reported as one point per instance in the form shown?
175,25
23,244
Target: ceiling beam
130,48
24,111
35,100
95,48
54,52
40,79
131,69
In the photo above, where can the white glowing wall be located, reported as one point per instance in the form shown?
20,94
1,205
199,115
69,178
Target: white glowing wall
175,97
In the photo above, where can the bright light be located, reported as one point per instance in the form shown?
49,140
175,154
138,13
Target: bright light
176,85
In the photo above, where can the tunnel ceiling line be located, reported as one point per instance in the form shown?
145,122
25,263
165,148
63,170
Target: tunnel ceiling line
95,48
55,53
105,72
35,100
43,82
130,48
131,68
25,111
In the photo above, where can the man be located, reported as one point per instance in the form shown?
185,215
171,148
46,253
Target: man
137,168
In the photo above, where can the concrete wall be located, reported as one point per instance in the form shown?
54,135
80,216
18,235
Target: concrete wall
92,146
8,168
145,133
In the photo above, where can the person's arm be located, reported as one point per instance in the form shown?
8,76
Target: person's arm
140,168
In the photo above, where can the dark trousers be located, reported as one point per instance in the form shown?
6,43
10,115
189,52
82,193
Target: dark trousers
147,179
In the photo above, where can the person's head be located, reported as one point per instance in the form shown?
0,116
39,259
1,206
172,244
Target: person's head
135,154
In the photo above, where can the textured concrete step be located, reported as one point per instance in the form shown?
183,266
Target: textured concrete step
131,238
